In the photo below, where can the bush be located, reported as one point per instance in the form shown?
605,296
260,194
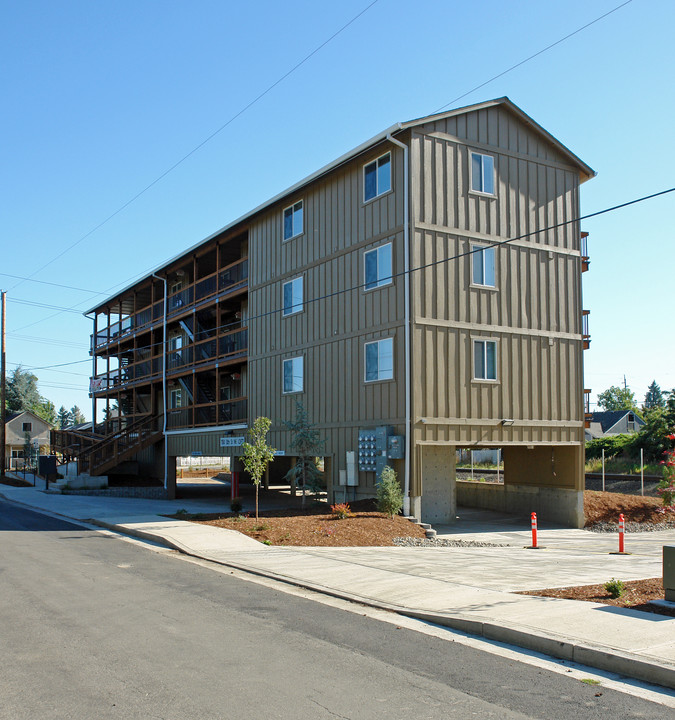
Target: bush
389,493
615,588
341,511
613,445
235,505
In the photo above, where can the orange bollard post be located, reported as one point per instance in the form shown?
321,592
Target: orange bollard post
533,518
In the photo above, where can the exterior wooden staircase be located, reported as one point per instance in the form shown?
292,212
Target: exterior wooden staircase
97,454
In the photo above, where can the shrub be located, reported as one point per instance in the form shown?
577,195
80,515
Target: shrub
615,588
613,445
236,505
341,511
389,493
667,485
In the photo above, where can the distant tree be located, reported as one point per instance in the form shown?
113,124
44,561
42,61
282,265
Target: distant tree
77,416
63,418
46,411
307,444
617,398
22,391
659,424
257,453
654,397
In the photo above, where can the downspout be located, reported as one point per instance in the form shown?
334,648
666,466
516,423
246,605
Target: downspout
93,373
406,315
166,444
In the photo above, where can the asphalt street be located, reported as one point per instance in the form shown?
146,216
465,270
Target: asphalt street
94,626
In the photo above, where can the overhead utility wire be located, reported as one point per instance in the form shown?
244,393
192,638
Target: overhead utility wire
531,57
203,142
497,243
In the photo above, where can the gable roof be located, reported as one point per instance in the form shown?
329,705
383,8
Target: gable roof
585,171
15,415
609,418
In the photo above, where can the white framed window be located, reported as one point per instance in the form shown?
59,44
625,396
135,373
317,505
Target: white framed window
292,292
293,220
377,267
485,359
379,360
377,177
175,399
293,375
483,259
482,173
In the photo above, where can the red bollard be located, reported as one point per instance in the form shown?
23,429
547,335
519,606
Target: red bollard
533,518
622,530
234,485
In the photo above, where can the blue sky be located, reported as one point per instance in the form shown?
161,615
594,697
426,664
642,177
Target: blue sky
100,99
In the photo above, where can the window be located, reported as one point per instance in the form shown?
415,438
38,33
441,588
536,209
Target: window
380,360
27,427
292,296
483,265
483,173
175,399
377,264
293,220
377,177
176,342
484,360
293,375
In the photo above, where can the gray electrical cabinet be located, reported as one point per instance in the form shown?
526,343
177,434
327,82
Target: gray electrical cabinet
376,446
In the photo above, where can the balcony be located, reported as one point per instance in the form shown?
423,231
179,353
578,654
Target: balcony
585,334
220,284
204,415
585,257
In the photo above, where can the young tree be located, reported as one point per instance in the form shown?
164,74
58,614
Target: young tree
307,444
63,418
654,397
77,415
389,492
257,453
616,398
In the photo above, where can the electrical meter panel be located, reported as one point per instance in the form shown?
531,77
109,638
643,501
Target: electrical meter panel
373,445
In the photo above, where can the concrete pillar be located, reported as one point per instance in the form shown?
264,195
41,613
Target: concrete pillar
171,478
439,496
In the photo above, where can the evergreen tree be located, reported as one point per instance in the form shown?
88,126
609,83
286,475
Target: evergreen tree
654,397
63,418
46,411
22,391
77,416
389,492
307,444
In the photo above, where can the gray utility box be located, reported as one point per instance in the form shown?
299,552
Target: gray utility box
669,572
376,446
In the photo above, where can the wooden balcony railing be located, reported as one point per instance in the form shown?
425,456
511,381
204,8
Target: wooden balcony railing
228,280
585,332
220,413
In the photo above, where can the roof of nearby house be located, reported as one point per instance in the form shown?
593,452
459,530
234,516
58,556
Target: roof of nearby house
586,172
13,416
607,419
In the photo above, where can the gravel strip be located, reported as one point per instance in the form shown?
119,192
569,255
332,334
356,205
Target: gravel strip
443,542
631,527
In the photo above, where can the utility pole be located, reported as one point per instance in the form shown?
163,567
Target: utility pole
3,386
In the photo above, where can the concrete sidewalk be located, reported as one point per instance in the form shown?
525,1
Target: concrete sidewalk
466,588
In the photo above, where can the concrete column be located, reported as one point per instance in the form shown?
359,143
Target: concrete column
439,496
171,478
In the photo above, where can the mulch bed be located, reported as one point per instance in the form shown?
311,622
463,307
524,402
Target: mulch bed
4,480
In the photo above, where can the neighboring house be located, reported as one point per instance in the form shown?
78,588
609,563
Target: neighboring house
308,297
613,422
20,427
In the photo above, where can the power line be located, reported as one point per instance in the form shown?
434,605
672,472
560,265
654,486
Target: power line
32,303
45,282
201,144
47,341
531,57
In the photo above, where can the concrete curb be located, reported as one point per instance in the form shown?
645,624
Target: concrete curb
605,658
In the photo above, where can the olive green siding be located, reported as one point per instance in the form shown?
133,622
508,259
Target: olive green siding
338,315
533,312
